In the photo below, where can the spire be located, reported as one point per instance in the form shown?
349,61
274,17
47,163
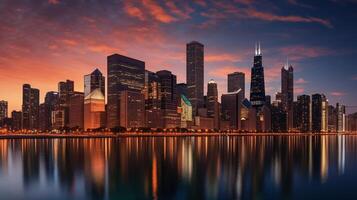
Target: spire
256,49
259,50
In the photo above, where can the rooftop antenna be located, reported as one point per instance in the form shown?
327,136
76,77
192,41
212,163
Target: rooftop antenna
259,50
256,51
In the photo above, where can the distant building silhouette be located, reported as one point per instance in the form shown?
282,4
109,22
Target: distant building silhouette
231,109
30,107
195,74
304,122
212,103
76,111
287,93
257,85
3,111
152,95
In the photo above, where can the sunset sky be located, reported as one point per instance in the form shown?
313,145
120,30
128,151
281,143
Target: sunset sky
45,41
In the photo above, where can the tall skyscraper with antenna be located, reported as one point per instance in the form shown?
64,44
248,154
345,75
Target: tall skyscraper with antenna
287,91
257,85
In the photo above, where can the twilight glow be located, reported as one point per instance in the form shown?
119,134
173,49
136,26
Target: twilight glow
44,42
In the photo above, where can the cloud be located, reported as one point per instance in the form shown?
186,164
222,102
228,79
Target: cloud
158,12
299,90
337,94
181,13
354,78
133,11
223,72
225,10
301,81
300,52
266,16
222,57
53,1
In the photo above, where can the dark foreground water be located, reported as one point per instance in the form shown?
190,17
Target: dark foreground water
279,167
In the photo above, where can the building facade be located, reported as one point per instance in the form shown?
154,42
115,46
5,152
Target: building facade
212,103
304,106
3,112
94,81
30,107
124,73
94,110
231,109
287,93
257,85
235,82
132,109
195,74
76,111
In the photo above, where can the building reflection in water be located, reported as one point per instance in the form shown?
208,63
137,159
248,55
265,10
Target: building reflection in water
223,167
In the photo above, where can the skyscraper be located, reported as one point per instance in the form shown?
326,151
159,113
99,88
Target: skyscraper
124,73
30,107
94,110
287,93
212,102
341,118
76,111
195,74
94,81
152,95
316,113
16,120
65,91
3,111
304,113
324,113
257,85
231,109
51,99
171,119
236,81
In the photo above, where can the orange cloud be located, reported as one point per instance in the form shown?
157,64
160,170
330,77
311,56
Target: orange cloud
222,72
222,57
301,81
337,94
53,1
133,11
299,52
273,17
158,12
183,14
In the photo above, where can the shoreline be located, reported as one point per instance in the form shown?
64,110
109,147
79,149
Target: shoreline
124,135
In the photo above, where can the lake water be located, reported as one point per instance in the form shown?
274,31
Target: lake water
224,167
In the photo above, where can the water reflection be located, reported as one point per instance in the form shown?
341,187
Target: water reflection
181,168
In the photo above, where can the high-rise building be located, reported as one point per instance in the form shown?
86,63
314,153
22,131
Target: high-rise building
30,107
212,103
76,111
278,119
235,82
124,73
3,111
231,109
46,108
257,85
65,91
316,112
341,118
287,93
16,120
152,95
94,110
195,74
324,113
352,122
94,81
132,109
304,120
171,118
332,119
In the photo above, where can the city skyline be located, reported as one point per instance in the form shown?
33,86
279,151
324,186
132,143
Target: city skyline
46,56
